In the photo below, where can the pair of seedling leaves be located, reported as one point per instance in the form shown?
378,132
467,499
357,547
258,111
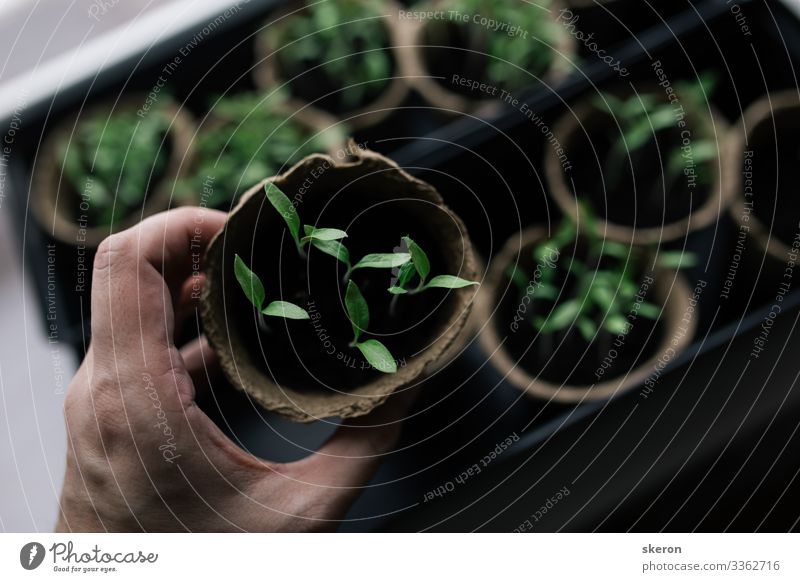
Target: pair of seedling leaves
606,282
328,240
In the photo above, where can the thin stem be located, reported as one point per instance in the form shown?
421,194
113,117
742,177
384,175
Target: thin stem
262,323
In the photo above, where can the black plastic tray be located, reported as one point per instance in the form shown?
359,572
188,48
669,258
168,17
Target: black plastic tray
469,409
477,409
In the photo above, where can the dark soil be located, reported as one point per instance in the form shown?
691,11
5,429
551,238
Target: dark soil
312,83
445,56
316,353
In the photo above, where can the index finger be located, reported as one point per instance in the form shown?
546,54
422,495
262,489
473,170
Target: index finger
135,275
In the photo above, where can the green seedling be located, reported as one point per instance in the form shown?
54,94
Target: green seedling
597,291
643,117
512,61
248,136
420,267
346,39
329,241
378,356
254,290
112,159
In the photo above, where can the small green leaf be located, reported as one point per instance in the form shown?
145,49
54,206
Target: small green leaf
704,150
406,273
576,268
382,261
617,324
545,252
419,258
649,311
449,282
516,274
586,213
662,119
546,291
378,356
333,248
357,309
603,297
587,328
251,284
395,290
562,316
285,309
325,234
565,234
615,249
638,135
285,208
677,259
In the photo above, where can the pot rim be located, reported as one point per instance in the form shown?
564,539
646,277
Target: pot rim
739,137
283,399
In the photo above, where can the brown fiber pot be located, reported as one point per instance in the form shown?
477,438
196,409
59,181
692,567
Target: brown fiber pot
53,198
268,73
670,289
436,93
365,179
774,110
586,118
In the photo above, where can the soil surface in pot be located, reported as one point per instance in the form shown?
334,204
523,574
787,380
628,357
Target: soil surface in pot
316,353
775,166
444,43
635,192
564,356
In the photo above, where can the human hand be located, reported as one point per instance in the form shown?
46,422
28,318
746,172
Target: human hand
141,454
